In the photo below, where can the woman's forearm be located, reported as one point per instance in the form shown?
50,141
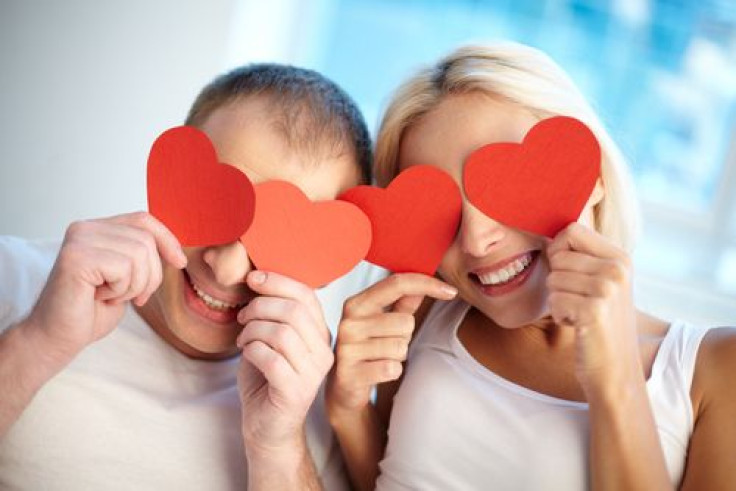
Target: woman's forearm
625,451
362,439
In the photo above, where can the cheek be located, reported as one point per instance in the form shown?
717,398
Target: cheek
451,269
167,294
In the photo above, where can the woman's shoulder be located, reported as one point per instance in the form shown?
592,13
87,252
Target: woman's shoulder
715,368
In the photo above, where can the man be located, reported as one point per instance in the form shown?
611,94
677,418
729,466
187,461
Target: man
122,375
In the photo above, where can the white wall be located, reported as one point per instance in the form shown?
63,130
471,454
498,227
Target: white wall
86,86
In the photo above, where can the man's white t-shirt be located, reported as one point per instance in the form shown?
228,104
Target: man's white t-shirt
130,412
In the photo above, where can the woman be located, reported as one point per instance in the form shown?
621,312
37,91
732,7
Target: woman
551,379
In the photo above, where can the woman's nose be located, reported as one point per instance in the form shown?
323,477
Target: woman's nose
229,263
478,232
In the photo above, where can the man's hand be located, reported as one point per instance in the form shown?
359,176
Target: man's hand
286,356
102,264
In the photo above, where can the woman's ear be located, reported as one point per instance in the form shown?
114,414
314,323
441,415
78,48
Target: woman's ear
597,195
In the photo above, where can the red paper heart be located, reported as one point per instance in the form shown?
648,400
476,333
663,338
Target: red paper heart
202,201
414,219
314,243
540,185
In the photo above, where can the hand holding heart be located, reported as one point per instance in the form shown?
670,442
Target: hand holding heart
590,290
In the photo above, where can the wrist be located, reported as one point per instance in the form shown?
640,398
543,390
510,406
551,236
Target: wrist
48,358
287,466
618,392
341,417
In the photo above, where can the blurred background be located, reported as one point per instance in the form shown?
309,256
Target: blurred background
87,85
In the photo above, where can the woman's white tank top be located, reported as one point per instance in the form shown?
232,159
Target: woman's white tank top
457,425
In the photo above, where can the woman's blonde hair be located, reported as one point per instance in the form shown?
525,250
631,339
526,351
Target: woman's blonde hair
526,77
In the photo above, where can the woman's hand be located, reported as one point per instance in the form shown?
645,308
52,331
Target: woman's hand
374,335
590,290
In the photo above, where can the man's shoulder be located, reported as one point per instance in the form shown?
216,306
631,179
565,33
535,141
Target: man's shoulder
24,266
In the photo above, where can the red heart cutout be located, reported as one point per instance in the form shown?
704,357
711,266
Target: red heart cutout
202,201
540,185
312,242
414,219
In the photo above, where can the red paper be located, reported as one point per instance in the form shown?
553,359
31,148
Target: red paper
414,219
540,185
314,243
202,201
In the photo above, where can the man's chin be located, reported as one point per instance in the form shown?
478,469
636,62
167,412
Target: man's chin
199,349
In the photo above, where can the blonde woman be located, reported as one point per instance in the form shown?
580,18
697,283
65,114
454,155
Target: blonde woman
550,380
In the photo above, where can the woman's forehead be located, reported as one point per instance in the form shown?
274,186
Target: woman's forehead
460,124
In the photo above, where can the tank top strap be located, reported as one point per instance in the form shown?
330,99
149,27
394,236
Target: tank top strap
672,376
679,351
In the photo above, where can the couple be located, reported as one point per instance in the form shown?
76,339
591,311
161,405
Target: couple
119,370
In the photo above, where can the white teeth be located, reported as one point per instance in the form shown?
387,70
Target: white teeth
506,274
212,303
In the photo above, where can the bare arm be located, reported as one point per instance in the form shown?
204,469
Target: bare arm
625,450
102,265
712,450
372,343
290,470
25,367
286,356
590,292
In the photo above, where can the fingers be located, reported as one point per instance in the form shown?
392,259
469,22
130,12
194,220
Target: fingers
389,291
112,272
146,271
369,351
288,311
117,244
577,237
567,260
274,367
367,374
282,339
389,324
569,309
408,304
167,244
277,285
385,348
581,284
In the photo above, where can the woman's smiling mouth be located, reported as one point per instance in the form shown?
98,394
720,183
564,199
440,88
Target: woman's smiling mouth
504,276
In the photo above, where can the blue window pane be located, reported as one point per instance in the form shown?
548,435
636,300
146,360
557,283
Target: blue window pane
662,74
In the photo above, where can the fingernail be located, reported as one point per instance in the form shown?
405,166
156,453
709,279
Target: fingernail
449,290
258,277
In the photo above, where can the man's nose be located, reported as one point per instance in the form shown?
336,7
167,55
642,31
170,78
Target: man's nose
229,263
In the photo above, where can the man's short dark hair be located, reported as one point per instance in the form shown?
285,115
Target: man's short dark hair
311,111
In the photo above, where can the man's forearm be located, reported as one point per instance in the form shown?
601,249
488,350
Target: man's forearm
282,471
24,369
